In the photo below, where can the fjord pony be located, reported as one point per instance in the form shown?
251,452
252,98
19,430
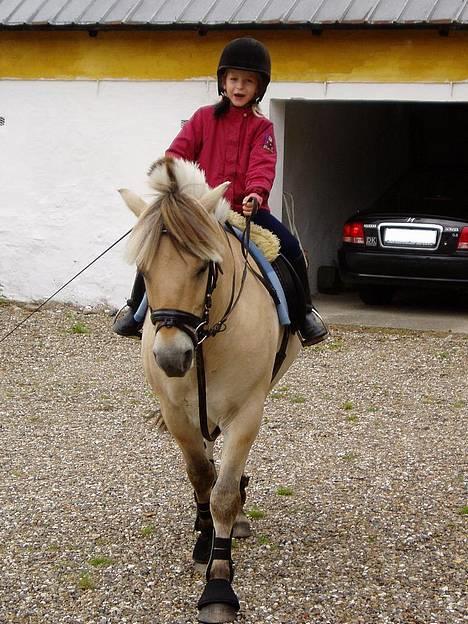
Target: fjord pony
194,271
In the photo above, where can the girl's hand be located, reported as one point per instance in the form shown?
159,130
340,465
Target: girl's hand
251,203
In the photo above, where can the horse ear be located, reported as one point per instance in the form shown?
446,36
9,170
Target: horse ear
210,200
133,201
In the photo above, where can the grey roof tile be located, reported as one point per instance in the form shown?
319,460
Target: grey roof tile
231,12
170,12
417,11
144,11
194,12
388,11
360,10
462,17
303,10
446,10
119,12
24,11
332,12
249,12
71,12
276,11
47,12
7,7
222,12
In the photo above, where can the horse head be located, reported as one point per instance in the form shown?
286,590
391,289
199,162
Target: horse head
176,243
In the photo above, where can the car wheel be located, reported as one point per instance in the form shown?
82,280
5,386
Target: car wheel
328,280
376,295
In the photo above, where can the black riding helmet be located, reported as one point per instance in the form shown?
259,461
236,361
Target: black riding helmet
250,55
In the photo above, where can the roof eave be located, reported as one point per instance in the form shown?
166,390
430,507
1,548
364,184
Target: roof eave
204,28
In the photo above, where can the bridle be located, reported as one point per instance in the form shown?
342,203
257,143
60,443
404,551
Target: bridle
198,327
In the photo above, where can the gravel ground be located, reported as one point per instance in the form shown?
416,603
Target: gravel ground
357,483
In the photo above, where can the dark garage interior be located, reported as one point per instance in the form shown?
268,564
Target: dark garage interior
342,155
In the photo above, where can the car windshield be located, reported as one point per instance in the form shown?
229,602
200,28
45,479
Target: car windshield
429,192
434,185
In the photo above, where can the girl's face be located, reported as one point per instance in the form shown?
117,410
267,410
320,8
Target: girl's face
240,86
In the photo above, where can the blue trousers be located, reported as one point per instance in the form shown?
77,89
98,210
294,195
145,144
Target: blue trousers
289,243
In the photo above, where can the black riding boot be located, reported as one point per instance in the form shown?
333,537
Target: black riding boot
125,324
312,329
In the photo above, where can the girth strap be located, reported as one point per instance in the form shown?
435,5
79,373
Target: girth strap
281,355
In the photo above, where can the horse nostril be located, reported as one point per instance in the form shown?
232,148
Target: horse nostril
187,358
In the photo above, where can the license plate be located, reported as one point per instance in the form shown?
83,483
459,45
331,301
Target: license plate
410,236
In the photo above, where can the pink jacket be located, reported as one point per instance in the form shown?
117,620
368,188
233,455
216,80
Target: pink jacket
238,147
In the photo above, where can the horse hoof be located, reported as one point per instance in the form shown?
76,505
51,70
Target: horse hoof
217,613
242,529
218,603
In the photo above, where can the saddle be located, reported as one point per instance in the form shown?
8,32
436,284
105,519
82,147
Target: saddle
293,290
279,278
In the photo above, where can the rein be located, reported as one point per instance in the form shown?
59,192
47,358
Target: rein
198,328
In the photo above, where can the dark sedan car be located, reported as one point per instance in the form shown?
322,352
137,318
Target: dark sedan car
415,235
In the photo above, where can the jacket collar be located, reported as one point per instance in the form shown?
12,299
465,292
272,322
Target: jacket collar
236,111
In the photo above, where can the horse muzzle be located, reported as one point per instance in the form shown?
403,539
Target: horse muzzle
174,350
173,354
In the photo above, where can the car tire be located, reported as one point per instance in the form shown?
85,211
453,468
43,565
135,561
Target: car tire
376,295
328,280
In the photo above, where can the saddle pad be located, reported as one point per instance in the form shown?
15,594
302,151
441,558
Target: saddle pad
266,241
269,274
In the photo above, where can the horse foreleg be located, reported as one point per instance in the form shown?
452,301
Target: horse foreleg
202,474
242,525
219,603
203,520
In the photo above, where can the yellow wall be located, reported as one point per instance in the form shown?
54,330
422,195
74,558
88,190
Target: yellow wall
375,56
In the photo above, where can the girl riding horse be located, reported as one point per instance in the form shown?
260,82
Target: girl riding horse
206,356
232,141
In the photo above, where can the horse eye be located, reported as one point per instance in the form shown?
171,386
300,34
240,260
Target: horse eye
202,269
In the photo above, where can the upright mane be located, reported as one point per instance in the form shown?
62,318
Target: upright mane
185,207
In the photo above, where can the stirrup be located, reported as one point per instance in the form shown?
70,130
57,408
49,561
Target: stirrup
313,328
125,324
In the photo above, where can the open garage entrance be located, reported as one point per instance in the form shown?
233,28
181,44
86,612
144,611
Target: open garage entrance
341,155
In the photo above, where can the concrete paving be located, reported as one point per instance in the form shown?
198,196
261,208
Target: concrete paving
419,311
